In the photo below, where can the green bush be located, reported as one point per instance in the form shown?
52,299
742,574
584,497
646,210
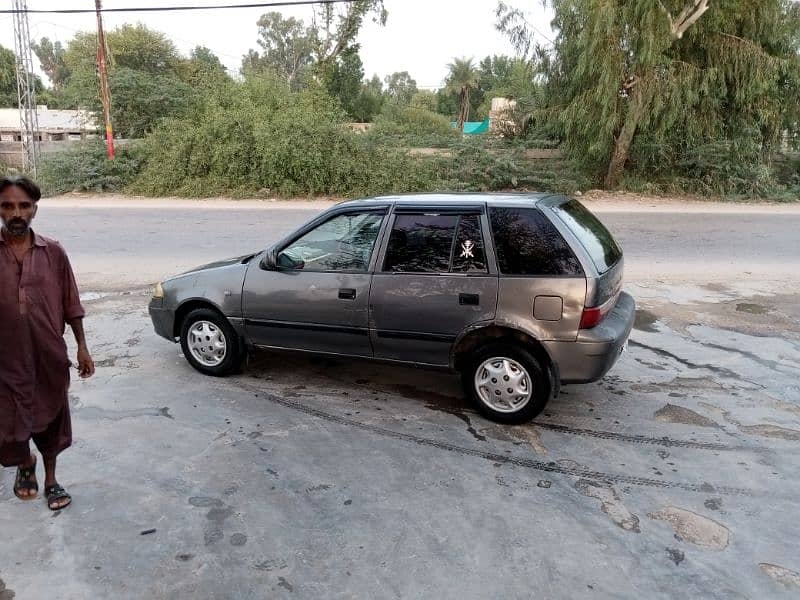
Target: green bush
84,167
413,127
268,140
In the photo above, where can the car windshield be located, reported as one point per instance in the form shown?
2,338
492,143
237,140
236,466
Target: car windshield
592,234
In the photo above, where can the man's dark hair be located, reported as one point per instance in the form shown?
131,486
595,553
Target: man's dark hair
26,185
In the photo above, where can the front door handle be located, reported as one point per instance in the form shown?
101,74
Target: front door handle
469,299
347,294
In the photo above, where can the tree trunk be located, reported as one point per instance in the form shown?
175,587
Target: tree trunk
463,109
622,147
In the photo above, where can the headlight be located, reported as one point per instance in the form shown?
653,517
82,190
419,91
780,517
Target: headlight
158,292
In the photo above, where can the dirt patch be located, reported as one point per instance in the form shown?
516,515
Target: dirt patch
752,308
693,528
529,434
672,413
611,503
645,321
785,577
771,431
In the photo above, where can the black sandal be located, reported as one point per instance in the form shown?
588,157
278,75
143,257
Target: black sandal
54,493
26,480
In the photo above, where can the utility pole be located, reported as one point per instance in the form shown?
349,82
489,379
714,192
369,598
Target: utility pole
26,89
105,90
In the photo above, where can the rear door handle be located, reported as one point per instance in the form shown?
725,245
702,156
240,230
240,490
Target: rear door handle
469,299
347,294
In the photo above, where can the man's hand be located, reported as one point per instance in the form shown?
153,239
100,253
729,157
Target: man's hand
85,363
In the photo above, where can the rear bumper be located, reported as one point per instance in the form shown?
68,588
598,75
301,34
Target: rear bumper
163,319
595,350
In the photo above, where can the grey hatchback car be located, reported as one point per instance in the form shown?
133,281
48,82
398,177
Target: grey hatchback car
519,293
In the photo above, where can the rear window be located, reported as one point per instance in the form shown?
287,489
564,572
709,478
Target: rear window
592,234
527,243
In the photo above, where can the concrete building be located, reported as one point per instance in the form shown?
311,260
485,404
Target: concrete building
54,125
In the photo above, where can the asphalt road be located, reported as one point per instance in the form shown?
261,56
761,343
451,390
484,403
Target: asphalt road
675,476
138,246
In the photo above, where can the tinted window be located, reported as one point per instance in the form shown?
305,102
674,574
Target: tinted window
343,243
598,241
421,243
528,244
468,255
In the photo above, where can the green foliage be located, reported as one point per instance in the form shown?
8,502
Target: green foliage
51,57
413,127
8,78
475,166
287,45
624,74
85,167
400,88
261,138
343,80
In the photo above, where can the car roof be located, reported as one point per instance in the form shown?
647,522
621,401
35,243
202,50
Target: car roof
457,199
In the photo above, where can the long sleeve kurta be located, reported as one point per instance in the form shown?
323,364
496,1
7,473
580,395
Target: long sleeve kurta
37,299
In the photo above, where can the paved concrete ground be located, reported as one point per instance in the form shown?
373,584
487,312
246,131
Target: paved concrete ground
675,476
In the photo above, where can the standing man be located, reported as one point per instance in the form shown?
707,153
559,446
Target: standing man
38,297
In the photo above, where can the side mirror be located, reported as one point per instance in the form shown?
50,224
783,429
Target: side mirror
268,263
285,261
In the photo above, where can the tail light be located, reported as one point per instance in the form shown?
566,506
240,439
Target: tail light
592,317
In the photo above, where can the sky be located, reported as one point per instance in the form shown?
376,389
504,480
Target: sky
421,36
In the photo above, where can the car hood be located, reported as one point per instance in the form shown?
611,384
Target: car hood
243,259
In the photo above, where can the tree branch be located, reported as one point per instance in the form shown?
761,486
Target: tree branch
688,17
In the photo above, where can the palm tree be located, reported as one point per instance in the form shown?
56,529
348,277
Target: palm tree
462,77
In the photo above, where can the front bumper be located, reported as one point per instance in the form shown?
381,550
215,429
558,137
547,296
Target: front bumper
163,319
595,350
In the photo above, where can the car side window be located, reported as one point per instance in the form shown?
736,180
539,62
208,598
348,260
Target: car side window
468,254
342,243
421,243
435,243
527,243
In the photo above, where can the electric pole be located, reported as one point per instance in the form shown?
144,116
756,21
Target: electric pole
105,90
26,89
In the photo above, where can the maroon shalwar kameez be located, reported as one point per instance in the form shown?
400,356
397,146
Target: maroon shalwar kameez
37,299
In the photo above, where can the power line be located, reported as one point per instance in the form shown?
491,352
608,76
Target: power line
75,11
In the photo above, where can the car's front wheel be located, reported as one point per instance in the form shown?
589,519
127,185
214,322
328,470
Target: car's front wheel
210,344
506,383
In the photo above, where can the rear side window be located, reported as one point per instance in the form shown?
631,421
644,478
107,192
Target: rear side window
593,235
432,243
527,243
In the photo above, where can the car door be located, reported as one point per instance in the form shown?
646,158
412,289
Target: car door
316,296
434,281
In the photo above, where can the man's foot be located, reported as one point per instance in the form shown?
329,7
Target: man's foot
25,486
57,497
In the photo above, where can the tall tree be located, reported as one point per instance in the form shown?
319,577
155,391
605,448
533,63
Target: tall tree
8,79
147,77
344,80
287,45
51,57
462,78
400,87
676,72
336,28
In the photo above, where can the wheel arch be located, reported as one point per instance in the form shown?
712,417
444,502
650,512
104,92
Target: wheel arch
476,337
187,306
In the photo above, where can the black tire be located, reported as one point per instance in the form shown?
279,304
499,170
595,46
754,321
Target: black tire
234,351
538,377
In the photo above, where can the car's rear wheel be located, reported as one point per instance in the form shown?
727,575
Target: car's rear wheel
506,383
210,344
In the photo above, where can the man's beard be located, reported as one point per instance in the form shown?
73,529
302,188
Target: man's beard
18,227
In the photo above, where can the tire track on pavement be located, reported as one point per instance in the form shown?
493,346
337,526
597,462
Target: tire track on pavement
539,465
